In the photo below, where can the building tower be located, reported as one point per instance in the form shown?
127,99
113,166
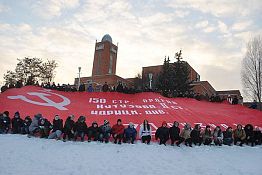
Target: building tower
105,57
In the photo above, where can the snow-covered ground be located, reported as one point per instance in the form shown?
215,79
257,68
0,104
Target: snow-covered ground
20,155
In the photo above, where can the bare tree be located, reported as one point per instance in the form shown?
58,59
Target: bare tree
252,69
48,70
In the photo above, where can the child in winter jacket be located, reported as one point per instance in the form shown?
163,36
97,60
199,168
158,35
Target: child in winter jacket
174,133
93,132
218,136
57,128
130,133
145,132
185,134
162,133
118,131
239,135
17,124
68,129
105,132
228,136
80,128
207,135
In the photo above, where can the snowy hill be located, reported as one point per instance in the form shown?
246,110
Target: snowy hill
25,156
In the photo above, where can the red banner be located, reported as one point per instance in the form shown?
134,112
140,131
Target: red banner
97,106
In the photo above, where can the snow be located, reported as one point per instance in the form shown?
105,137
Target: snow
25,156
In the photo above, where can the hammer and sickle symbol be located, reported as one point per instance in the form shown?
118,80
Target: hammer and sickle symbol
44,94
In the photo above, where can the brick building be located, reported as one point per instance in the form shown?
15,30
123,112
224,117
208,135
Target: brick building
104,66
104,70
155,71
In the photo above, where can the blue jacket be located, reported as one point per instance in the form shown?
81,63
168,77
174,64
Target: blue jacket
130,132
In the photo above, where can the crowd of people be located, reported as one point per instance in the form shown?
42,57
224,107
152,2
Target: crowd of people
78,130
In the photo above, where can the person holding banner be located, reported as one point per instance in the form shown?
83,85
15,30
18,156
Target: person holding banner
145,132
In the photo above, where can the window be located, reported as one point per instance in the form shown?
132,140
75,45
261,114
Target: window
110,64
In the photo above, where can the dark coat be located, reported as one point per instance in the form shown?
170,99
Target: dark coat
27,122
80,127
105,129
227,134
69,124
57,125
130,132
195,134
162,133
45,125
174,132
249,131
6,121
94,130
17,122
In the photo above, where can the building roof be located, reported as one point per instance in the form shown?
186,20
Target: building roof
107,37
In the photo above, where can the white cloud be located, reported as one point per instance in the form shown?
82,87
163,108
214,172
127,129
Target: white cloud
240,26
221,8
48,9
222,27
202,24
209,29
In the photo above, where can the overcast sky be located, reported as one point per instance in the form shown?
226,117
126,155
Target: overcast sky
212,34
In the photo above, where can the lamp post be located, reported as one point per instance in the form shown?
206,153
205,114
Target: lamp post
79,70
150,75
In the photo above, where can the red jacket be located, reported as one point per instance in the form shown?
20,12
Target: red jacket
118,129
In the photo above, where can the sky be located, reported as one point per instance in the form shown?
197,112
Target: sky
211,34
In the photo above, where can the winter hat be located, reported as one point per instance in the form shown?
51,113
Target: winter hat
175,122
164,123
119,120
17,113
106,122
131,125
38,116
57,117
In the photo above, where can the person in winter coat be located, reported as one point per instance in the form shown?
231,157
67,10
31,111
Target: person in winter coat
1,123
145,132
130,134
17,123
34,126
93,132
239,135
105,132
6,122
118,131
257,136
68,129
196,136
27,122
207,135
218,136
228,136
57,128
162,133
80,128
105,87
185,134
174,133
44,127
249,130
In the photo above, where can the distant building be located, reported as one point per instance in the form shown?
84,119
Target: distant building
155,71
104,70
104,66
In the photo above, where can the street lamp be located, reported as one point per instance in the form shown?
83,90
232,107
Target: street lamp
150,75
79,70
